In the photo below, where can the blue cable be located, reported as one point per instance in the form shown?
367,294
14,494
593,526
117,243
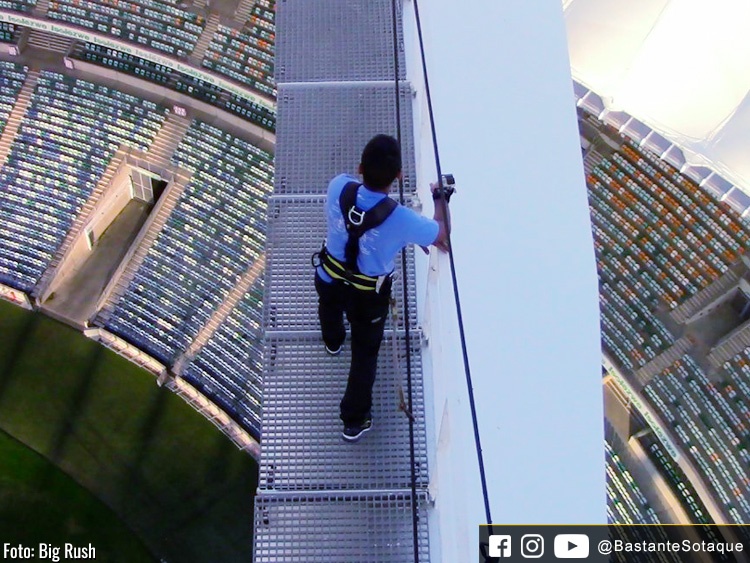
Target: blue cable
407,332
443,201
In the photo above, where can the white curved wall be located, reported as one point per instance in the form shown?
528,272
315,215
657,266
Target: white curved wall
507,129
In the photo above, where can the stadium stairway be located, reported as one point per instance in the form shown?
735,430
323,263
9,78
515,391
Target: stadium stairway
320,499
244,9
166,141
16,115
731,345
663,360
41,8
212,24
684,312
160,154
219,316
591,160
129,266
39,293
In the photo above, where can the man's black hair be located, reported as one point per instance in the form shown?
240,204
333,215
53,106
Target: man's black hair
381,162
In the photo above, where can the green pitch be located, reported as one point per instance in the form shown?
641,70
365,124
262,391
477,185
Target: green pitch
92,451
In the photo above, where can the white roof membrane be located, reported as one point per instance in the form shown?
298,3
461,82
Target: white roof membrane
679,66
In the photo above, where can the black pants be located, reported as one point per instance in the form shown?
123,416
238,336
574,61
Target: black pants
367,312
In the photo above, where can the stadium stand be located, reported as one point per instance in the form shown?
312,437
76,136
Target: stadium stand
246,55
669,252
242,51
630,331
70,131
227,199
198,89
658,239
675,477
124,62
698,415
251,111
9,33
18,5
12,77
161,25
160,74
228,369
626,504
215,233
50,171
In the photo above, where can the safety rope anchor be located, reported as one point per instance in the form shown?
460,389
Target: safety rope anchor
402,406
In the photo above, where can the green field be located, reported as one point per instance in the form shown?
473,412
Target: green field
91,450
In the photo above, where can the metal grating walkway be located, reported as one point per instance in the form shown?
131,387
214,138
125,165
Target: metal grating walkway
319,499
368,528
335,40
321,130
301,441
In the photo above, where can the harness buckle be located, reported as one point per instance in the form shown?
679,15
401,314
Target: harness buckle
379,283
385,278
360,215
318,257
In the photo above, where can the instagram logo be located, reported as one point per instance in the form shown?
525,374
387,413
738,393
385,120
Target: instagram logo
532,546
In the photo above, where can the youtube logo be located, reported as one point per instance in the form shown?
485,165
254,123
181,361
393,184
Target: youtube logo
571,546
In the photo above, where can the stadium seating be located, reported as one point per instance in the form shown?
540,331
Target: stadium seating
198,89
18,5
123,62
243,55
11,82
228,369
629,329
189,85
9,33
161,25
685,240
710,428
703,216
626,503
258,114
659,239
69,133
674,476
215,232
246,55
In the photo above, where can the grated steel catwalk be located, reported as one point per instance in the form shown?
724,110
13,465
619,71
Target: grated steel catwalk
320,499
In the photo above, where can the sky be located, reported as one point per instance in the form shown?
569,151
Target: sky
506,125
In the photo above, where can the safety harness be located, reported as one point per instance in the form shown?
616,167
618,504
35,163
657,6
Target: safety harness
358,222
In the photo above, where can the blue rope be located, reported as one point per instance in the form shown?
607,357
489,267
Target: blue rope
407,332
442,201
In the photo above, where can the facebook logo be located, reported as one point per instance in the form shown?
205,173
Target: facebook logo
499,546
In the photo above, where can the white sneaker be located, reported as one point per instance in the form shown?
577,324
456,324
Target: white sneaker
335,352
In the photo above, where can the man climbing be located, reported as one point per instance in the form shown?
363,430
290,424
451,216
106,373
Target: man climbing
366,230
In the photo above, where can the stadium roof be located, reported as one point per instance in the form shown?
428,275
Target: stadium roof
679,66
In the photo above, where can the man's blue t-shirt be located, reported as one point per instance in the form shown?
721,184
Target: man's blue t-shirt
378,247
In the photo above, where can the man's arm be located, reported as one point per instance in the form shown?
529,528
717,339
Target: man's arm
443,217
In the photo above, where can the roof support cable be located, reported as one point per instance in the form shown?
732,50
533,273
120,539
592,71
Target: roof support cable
405,309
442,201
